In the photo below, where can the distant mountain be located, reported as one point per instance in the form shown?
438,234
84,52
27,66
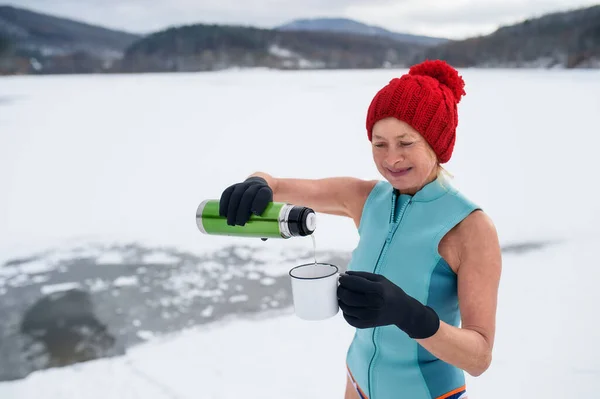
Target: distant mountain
5,45
48,38
345,25
569,39
34,43
51,34
212,47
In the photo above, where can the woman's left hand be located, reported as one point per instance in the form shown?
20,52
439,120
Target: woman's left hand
370,300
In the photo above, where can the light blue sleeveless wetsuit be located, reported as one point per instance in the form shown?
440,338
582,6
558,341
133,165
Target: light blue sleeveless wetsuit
399,237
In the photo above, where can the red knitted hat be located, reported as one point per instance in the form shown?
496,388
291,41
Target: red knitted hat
426,98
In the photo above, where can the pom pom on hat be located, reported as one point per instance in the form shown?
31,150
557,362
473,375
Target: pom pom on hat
443,73
426,98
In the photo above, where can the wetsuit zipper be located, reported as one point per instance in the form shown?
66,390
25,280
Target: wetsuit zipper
392,230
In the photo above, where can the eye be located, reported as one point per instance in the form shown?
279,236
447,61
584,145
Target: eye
379,145
406,144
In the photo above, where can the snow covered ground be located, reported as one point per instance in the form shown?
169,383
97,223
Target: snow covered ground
128,158
545,348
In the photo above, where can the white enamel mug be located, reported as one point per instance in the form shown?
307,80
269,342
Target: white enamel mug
314,290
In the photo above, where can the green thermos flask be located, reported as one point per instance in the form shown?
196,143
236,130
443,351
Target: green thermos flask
279,220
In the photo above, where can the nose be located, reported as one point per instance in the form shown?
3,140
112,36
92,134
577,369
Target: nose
393,157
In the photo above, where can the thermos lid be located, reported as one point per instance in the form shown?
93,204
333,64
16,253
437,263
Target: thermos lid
301,221
311,221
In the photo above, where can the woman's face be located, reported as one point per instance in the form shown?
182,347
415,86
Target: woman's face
402,155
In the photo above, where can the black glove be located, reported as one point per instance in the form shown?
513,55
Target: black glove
239,201
371,300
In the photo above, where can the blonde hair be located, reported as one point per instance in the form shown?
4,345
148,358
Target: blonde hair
441,171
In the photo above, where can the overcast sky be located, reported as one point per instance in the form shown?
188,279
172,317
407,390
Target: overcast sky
453,19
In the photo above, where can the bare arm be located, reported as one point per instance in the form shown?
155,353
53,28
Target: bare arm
470,347
342,196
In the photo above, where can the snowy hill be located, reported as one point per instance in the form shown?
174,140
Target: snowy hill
345,25
46,34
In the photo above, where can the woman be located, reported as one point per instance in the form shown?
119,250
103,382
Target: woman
421,287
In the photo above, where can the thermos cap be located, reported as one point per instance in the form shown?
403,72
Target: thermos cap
311,221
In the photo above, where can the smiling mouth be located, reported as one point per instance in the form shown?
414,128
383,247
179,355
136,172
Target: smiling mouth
399,172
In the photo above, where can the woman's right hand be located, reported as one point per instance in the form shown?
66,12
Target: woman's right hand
239,201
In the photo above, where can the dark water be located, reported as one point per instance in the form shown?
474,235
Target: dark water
106,308
103,308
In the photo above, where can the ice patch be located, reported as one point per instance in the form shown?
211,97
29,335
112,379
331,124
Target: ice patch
226,276
145,335
243,252
238,298
125,281
187,284
160,258
268,281
97,285
8,271
40,279
51,289
36,267
86,251
210,266
110,257
32,267
19,281
208,311
253,276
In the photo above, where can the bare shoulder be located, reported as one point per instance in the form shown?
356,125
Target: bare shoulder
476,224
477,240
474,236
